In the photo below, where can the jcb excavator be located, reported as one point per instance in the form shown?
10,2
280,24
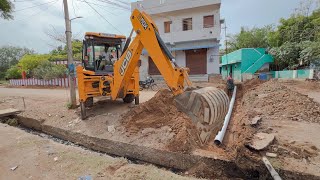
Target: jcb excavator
108,69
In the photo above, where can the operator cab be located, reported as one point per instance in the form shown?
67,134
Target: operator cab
100,51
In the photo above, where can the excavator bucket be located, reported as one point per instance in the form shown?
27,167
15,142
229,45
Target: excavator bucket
206,107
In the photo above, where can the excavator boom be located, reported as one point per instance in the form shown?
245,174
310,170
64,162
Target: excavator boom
147,37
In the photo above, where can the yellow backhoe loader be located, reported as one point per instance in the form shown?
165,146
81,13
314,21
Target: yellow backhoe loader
110,67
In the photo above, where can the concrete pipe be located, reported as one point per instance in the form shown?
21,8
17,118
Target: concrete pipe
206,107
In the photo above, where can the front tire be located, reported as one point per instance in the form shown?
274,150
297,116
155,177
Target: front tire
129,98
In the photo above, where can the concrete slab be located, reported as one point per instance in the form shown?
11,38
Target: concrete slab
8,112
261,141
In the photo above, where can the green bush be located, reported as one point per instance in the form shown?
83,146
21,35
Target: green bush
46,70
30,62
13,73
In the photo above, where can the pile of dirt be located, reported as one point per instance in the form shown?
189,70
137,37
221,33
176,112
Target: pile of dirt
158,112
278,102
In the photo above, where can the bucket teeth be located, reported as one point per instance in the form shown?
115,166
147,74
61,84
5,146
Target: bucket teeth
206,107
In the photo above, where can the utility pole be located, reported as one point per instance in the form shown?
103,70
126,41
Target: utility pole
70,56
226,44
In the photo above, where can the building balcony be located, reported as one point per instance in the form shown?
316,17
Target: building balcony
191,35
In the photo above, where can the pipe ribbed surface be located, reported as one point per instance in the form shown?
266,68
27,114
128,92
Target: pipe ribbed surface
206,107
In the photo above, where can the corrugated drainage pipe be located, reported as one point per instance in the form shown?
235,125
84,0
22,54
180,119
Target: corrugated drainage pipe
219,138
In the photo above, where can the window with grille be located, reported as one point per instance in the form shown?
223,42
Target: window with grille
208,21
187,24
167,26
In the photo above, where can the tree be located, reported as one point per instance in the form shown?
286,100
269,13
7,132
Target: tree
297,39
13,73
286,55
39,66
6,9
60,53
250,38
310,52
29,62
46,70
294,42
9,56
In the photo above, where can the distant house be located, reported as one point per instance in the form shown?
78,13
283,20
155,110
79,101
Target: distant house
191,30
246,61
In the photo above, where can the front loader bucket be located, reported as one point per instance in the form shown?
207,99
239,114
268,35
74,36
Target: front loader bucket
206,107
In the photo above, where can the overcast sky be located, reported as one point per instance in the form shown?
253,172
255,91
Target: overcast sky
30,24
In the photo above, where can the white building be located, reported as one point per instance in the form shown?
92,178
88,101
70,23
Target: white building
191,29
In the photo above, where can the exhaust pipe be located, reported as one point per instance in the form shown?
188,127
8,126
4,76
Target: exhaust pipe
219,138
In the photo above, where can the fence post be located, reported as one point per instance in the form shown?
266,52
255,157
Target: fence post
295,74
311,73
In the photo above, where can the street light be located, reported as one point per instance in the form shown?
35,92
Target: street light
78,17
73,99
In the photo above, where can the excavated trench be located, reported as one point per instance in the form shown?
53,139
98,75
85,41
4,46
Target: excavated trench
207,167
197,165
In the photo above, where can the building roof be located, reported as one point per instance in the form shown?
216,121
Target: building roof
163,6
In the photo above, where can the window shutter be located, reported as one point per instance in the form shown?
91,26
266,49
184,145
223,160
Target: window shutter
208,21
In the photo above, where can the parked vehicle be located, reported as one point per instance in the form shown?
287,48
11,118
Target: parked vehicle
148,83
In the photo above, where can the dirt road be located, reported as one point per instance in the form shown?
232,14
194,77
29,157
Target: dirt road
54,93
43,158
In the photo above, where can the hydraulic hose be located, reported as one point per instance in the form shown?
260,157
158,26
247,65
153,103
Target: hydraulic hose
165,49
127,43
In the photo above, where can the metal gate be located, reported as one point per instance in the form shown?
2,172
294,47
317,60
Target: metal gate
196,61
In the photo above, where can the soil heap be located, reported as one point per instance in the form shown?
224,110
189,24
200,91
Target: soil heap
158,112
280,102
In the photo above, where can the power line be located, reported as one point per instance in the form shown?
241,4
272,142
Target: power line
115,4
123,2
106,10
24,1
34,6
164,4
74,11
77,6
103,17
37,13
102,5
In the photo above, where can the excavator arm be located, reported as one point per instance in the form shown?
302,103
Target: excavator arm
206,106
147,37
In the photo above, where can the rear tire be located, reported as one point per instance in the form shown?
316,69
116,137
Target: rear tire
154,87
89,102
129,98
136,100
